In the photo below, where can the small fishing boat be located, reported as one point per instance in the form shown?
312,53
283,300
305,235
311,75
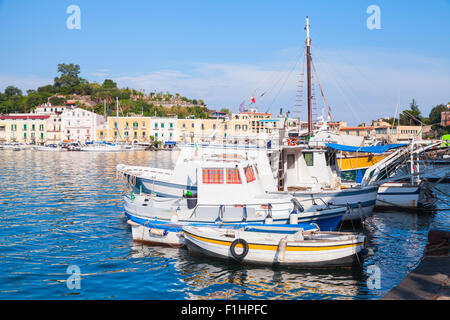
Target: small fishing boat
268,245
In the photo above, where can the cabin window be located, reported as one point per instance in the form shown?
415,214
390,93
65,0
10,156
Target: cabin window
212,176
233,176
309,158
249,174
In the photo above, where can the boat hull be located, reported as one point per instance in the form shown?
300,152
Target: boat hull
148,217
361,201
299,255
398,194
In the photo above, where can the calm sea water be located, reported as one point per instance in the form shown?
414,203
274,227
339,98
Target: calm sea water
61,209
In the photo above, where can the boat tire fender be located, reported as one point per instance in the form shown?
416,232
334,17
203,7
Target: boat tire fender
242,255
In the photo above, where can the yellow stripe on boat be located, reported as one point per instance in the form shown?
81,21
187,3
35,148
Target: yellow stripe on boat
273,247
360,162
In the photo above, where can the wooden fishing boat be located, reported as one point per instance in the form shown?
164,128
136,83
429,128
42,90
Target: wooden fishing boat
268,245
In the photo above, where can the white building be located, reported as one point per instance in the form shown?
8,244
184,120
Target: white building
48,108
79,125
54,129
163,129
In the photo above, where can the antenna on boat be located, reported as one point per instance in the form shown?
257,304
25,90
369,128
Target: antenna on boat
308,71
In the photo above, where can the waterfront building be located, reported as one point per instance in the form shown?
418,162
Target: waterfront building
48,108
79,125
54,129
445,117
23,128
125,129
164,129
196,130
385,132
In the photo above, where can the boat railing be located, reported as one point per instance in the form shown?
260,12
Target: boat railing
384,170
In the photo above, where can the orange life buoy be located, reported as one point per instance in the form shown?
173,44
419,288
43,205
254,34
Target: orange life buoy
292,141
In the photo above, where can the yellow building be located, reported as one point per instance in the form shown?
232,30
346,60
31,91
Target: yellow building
125,129
193,130
23,128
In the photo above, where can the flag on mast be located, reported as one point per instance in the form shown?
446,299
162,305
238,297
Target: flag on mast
253,99
242,106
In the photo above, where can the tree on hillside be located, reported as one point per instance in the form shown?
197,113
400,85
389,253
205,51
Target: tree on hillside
69,78
12,91
413,116
109,84
435,114
226,110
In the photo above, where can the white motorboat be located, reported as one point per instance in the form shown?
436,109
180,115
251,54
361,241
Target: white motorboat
101,147
50,147
292,247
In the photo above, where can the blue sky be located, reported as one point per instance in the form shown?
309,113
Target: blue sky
226,51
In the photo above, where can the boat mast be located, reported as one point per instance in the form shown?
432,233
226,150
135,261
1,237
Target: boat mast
308,71
117,117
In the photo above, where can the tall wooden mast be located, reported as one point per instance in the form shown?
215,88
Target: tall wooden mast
308,71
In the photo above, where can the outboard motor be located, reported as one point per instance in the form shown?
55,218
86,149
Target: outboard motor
191,200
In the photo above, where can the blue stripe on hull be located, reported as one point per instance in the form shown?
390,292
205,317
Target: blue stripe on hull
325,222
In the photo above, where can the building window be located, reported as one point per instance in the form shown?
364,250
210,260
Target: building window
135,134
162,125
171,125
192,125
24,135
126,133
135,125
214,126
156,125
24,127
309,158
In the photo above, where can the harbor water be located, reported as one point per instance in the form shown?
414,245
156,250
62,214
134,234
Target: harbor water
63,236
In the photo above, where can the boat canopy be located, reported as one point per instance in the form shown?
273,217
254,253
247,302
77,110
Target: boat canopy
371,149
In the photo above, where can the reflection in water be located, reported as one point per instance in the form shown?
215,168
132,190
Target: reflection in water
61,209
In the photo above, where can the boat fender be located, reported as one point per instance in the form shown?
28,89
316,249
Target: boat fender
242,255
298,236
297,206
174,217
268,220
282,249
293,217
230,233
158,232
